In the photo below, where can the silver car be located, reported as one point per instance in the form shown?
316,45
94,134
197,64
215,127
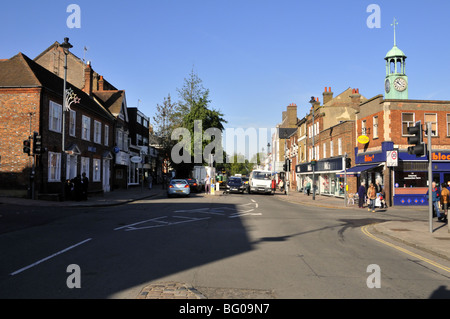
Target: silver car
178,187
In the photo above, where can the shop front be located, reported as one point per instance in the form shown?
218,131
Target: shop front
326,172
406,183
411,177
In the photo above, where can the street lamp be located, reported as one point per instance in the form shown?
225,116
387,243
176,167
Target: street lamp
313,162
65,46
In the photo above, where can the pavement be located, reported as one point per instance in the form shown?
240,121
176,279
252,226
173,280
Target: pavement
413,232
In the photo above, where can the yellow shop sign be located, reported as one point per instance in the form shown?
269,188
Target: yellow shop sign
363,139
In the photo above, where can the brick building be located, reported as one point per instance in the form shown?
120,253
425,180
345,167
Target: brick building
81,74
385,123
31,101
333,130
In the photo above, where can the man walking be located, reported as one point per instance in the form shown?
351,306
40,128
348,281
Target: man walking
207,184
435,197
444,200
361,195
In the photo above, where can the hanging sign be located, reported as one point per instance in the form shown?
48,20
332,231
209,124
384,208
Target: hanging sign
136,159
363,139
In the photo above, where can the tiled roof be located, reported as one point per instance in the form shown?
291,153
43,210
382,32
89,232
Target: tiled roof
22,72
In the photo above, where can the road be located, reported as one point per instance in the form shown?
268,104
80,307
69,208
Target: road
229,246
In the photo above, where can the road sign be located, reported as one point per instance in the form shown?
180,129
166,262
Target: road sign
392,158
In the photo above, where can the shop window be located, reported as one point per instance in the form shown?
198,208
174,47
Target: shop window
411,179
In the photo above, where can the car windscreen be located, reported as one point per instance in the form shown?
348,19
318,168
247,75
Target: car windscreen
234,180
261,175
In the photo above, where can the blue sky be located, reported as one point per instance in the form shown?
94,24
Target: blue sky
255,57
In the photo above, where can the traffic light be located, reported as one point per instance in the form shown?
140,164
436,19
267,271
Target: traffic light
27,146
419,148
348,162
37,143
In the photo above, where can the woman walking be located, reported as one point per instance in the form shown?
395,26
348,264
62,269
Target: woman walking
371,195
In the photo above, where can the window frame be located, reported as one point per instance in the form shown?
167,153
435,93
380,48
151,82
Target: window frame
85,129
97,132
55,107
72,120
56,170
408,123
436,122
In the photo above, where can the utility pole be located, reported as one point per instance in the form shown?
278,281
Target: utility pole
430,179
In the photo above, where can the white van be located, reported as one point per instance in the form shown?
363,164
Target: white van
260,182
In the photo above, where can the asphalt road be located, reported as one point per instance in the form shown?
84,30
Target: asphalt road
231,246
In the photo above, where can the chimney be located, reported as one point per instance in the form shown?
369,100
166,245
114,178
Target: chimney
101,82
355,97
327,95
88,79
292,114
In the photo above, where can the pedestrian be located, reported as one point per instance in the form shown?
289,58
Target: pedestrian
378,187
435,197
150,181
308,188
274,185
445,200
76,181
383,198
84,186
361,195
372,196
207,184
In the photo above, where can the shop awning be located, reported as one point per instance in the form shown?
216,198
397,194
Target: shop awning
357,170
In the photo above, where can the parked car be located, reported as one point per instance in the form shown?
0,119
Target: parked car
235,185
178,187
193,184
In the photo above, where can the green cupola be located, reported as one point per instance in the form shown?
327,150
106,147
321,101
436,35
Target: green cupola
396,82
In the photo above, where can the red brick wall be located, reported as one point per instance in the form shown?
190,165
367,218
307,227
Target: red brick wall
16,106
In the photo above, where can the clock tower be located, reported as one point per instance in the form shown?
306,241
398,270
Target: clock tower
396,82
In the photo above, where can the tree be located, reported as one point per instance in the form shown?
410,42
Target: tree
165,122
191,93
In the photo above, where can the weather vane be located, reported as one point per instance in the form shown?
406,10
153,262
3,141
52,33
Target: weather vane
393,25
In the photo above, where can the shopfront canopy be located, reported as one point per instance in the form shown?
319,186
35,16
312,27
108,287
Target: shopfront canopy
357,170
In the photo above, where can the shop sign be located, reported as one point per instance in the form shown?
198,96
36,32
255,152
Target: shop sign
440,157
363,139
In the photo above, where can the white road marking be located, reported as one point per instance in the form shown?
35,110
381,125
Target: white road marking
161,223
144,221
49,257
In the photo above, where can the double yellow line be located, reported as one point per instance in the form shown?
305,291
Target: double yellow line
364,229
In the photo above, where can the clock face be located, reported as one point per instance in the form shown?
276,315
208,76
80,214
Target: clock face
400,84
387,86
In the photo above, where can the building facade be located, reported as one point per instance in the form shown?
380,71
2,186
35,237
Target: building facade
31,99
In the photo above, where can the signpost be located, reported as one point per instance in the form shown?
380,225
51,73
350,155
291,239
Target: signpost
392,158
